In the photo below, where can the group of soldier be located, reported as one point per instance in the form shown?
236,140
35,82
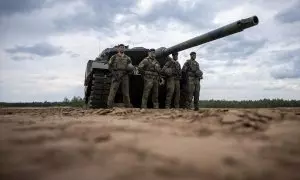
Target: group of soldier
120,64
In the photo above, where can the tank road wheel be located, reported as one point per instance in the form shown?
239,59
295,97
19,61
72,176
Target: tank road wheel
100,87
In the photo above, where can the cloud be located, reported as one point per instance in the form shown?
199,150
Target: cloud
15,6
233,47
167,10
93,14
285,64
107,15
12,7
22,58
281,85
72,54
41,49
287,70
54,85
290,15
25,7
287,55
198,14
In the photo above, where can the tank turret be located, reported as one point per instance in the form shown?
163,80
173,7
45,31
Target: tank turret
97,76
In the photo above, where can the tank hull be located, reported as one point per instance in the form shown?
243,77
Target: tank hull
97,86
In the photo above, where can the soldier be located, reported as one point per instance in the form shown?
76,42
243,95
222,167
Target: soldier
119,65
193,74
172,71
150,69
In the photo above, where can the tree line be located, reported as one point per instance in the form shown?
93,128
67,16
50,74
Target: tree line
77,101
262,103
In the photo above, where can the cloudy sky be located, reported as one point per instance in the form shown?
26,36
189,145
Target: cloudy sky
45,44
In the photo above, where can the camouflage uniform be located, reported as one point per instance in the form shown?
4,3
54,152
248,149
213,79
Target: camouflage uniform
173,82
150,69
193,74
118,66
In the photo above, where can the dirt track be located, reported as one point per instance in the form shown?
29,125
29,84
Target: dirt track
229,144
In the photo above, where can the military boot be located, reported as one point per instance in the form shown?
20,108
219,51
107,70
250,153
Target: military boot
143,106
155,105
188,105
128,105
109,105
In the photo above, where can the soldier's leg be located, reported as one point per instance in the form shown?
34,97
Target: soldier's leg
196,94
177,93
155,93
170,92
125,91
187,99
191,89
184,95
112,92
148,83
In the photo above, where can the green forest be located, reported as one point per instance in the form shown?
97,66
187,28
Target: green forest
263,103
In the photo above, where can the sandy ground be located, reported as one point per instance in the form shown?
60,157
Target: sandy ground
134,144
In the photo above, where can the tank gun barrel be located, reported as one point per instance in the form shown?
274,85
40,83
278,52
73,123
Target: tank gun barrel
221,32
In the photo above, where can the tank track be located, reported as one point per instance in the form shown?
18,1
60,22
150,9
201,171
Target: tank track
99,91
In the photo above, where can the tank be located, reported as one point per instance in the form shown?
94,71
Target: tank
98,77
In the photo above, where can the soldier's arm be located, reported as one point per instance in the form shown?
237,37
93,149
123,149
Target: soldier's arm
178,69
111,59
178,66
157,66
129,60
198,67
185,67
142,65
166,66
199,73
